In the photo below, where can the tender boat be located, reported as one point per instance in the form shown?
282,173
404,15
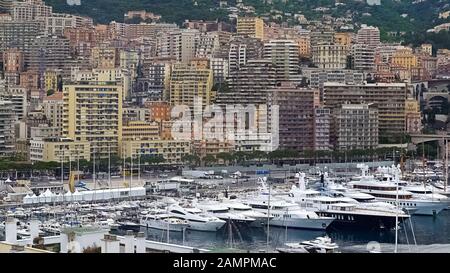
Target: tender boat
318,245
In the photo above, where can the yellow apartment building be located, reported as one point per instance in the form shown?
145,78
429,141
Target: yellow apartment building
250,26
92,112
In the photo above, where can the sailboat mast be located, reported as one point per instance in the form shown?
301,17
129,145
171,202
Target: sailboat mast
268,220
446,165
93,177
78,166
131,173
131,170
123,169
168,230
139,167
396,216
62,175
62,168
109,166
230,233
70,171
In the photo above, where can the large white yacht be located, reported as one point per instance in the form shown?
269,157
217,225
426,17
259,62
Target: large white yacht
387,191
348,212
247,211
221,211
164,222
197,219
284,213
426,192
440,188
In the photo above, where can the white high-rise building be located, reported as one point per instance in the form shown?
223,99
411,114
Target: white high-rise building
363,57
178,45
241,50
207,44
7,121
30,10
368,35
219,66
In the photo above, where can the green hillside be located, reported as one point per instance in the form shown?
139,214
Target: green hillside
387,16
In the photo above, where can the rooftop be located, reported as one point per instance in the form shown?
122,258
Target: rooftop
55,96
11,248
365,84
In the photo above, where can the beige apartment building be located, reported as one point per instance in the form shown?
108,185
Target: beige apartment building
140,130
188,82
53,109
330,56
93,113
356,127
388,97
58,149
250,26
172,151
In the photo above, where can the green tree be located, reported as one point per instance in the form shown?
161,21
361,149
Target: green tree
209,160
191,159
225,157
50,92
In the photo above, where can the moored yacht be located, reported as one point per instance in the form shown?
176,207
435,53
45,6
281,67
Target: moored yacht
197,219
426,192
440,188
348,213
390,191
222,211
287,214
246,211
164,222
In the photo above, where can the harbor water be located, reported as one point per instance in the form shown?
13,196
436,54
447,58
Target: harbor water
425,230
